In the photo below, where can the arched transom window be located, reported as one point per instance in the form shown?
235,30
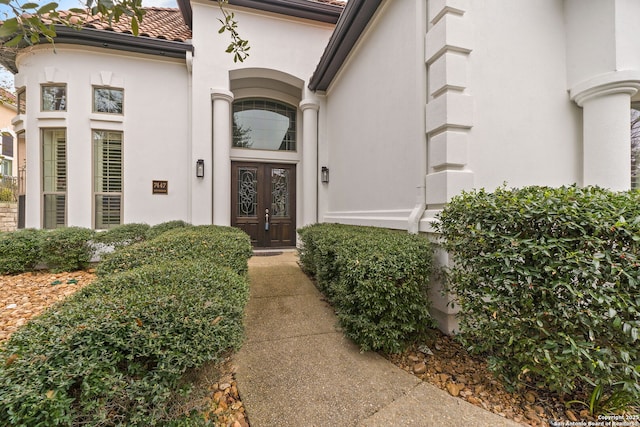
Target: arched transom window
264,124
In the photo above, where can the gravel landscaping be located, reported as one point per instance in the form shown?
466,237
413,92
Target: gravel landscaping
26,295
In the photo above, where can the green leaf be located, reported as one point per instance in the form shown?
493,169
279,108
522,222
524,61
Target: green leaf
47,8
14,41
9,27
30,5
135,28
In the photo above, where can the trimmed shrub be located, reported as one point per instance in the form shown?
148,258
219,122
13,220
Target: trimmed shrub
7,195
67,249
375,278
217,245
123,235
158,229
548,282
20,250
114,353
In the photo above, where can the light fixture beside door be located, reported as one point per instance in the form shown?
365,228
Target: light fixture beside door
200,168
324,175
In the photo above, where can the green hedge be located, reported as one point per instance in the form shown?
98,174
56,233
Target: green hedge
225,246
123,235
549,286
20,250
158,229
114,353
375,278
67,249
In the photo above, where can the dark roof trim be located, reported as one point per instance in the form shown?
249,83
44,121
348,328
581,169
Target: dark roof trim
122,41
186,11
316,11
354,20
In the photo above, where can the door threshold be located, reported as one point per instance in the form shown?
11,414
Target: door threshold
272,252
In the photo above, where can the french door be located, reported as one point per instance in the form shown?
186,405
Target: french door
263,202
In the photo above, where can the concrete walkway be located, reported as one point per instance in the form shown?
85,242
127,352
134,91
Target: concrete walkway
297,369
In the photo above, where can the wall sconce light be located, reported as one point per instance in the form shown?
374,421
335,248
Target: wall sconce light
200,168
324,175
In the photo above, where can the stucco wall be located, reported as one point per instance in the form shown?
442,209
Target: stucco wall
154,128
525,130
375,143
522,127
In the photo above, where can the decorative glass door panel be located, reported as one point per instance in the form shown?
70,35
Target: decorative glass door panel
263,202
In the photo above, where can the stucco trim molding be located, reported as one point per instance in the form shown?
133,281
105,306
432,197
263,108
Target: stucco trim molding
395,219
307,104
449,112
222,94
626,81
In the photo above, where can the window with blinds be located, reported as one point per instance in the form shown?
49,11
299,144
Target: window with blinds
107,178
54,178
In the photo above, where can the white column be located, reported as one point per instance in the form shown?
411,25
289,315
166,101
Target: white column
606,133
309,161
221,164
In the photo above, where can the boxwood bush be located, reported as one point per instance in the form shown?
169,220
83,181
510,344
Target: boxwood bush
123,235
375,278
20,250
114,353
158,229
67,249
548,282
218,245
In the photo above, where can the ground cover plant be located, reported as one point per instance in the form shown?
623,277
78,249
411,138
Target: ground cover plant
115,352
548,282
376,279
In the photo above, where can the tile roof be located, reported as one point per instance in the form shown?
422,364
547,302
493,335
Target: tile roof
158,22
7,97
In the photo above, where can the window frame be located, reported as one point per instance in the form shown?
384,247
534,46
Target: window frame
109,88
57,193
42,97
95,193
21,100
292,115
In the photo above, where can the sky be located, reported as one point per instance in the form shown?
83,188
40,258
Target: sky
6,78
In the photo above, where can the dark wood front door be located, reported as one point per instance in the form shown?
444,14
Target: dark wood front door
263,202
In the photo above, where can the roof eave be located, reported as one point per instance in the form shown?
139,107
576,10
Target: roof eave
355,18
122,41
306,9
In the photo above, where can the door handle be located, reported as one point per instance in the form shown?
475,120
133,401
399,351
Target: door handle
266,219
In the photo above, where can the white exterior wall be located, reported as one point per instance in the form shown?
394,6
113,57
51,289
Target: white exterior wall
526,130
154,128
284,44
374,142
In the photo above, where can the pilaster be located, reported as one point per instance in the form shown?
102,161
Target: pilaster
450,106
221,162
605,100
309,108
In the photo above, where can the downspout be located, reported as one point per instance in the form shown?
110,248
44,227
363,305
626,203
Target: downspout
413,226
418,210
189,63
